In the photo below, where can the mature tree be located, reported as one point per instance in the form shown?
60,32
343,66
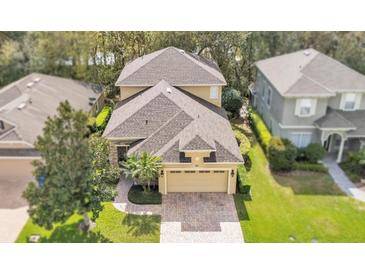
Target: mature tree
78,177
232,100
142,168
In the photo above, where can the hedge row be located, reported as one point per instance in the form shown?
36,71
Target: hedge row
310,167
103,117
241,179
262,132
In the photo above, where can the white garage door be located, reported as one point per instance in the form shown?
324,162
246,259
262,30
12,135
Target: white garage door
197,181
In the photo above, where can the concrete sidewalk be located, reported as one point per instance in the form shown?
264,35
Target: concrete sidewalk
11,223
342,181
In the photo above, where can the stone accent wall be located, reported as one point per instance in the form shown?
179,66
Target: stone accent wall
113,156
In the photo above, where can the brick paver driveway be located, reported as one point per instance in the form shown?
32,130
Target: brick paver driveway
199,217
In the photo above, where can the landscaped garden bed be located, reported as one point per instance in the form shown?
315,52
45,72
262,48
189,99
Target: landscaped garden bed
137,195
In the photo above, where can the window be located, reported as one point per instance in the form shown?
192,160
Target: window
349,101
264,87
213,92
268,96
301,139
305,107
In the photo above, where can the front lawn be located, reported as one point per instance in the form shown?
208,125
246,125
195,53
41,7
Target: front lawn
296,207
112,226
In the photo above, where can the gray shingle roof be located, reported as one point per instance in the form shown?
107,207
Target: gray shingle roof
186,117
172,65
310,73
41,101
197,143
18,152
352,121
334,119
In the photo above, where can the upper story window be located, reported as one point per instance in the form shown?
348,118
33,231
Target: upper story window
213,92
264,88
350,101
305,107
268,96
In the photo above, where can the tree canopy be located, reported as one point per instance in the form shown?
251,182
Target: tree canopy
100,56
78,176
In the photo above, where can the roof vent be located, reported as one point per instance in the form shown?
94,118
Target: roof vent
182,51
306,52
21,106
168,90
36,80
29,85
146,122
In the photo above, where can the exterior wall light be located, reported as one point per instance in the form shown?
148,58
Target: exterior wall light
161,173
232,172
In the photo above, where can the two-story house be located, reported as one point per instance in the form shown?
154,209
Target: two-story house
308,97
171,107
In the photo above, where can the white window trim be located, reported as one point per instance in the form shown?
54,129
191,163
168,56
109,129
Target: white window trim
358,97
313,107
212,90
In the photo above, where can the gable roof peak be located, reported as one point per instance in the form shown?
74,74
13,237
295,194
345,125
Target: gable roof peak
175,65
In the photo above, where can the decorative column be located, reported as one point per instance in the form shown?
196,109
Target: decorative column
340,152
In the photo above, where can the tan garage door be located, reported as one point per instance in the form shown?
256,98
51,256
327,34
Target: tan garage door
197,181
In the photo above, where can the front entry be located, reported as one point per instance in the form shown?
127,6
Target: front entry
197,181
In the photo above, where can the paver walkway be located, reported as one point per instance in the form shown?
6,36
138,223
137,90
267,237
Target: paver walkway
189,217
342,181
123,204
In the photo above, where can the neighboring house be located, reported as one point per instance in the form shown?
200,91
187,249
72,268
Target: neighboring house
170,107
309,97
25,106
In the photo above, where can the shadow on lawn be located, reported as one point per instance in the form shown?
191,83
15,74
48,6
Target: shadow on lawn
71,234
240,201
141,225
308,183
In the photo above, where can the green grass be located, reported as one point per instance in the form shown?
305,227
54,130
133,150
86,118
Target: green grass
136,195
111,226
297,207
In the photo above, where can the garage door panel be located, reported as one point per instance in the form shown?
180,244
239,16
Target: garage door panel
197,181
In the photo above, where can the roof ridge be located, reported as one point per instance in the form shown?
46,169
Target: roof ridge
157,131
200,64
153,58
301,70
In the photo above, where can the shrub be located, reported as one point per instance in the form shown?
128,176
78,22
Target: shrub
354,166
241,178
232,100
306,166
136,195
281,154
312,153
262,132
103,118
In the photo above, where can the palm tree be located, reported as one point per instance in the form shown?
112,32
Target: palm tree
142,168
129,168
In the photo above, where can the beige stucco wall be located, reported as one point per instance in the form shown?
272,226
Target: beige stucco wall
204,92
126,92
200,91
